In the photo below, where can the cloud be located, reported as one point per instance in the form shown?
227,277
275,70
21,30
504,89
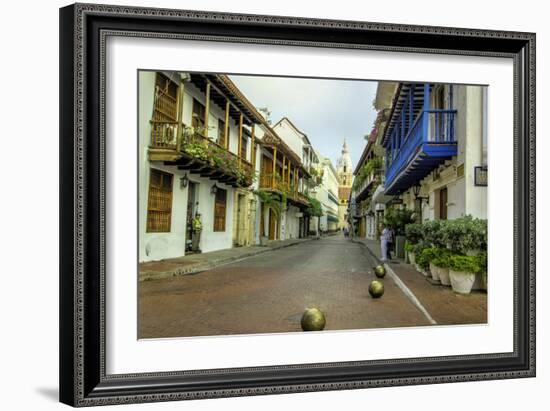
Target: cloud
325,110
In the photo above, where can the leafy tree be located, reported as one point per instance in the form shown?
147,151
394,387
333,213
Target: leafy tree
397,219
271,201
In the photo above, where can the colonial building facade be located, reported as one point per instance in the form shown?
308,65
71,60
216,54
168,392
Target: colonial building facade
327,194
436,150
368,189
197,158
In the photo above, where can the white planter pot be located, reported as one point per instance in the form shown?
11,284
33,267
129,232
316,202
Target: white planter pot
412,258
435,272
444,277
462,282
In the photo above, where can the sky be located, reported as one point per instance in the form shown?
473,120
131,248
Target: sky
325,110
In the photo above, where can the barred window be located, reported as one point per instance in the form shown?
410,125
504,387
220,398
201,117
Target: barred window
219,209
159,207
221,133
199,111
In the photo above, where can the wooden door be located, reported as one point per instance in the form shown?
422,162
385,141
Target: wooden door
443,203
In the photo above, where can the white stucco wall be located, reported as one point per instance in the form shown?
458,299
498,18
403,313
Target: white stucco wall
156,246
293,139
463,197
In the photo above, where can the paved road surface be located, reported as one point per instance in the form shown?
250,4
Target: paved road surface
269,292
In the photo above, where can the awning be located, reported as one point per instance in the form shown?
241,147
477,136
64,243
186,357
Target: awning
379,196
332,218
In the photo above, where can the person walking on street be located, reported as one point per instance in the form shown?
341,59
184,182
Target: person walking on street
384,242
390,242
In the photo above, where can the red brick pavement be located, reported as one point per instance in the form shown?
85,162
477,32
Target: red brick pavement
445,306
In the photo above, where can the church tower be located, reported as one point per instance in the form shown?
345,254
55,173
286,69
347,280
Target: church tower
344,168
344,172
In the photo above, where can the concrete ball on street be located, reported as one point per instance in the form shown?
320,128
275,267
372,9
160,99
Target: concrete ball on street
376,289
313,319
380,271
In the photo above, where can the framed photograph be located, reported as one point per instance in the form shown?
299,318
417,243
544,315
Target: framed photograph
260,204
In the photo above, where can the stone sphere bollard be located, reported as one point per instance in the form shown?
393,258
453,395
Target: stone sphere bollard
313,319
380,271
376,289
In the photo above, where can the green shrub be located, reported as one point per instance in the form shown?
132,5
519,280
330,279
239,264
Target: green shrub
420,246
429,254
433,232
409,247
465,263
397,219
442,258
413,233
465,234
482,261
421,257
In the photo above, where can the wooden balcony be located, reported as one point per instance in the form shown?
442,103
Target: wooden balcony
275,185
418,138
173,145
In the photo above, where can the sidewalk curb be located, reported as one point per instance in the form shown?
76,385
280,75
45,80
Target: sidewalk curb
148,276
400,284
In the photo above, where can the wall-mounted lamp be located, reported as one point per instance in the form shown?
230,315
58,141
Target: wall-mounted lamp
184,181
416,192
214,189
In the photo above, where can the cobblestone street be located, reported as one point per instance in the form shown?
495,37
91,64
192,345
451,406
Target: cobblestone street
268,293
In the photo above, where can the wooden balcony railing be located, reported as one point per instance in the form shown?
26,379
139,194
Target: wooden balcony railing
203,151
267,182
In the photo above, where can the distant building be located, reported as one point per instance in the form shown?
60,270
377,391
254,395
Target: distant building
287,158
327,194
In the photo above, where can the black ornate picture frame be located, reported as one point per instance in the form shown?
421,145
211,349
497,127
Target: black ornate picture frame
83,30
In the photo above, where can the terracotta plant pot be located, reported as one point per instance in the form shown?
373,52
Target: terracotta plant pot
444,277
462,282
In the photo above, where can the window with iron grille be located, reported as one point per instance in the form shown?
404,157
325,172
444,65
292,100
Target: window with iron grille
199,112
221,133
219,209
244,145
164,119
159,207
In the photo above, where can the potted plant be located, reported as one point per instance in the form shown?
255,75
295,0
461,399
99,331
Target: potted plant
409,248
428,254
441,264
422,264
413,234
462,271
465,235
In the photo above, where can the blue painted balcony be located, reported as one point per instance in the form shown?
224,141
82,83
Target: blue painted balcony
418,139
